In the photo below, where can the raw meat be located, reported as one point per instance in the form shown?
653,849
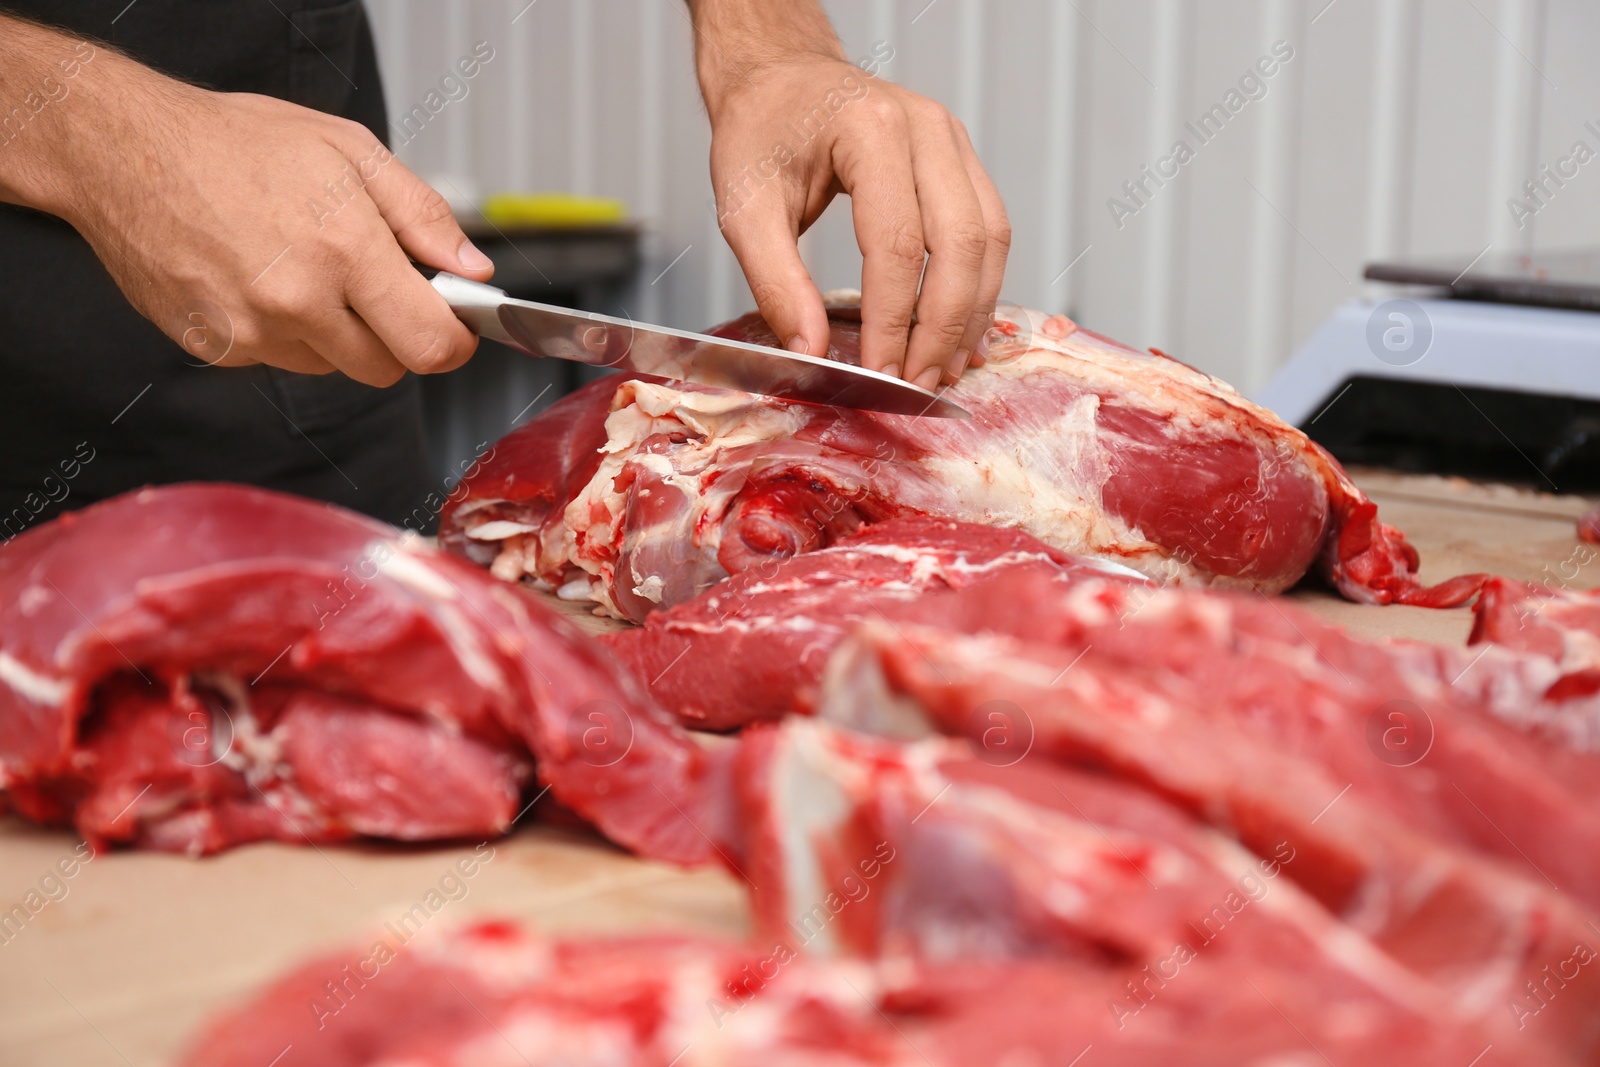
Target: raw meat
191,667
1449,863
1550,678
1556,623
753,646
924,849
1589,527
493,995
641,494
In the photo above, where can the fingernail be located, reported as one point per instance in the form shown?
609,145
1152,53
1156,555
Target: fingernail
928,378
892,370
471,258
959,363
798,345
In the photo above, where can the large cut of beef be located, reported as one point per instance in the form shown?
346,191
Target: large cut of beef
495,995
191,667
640,494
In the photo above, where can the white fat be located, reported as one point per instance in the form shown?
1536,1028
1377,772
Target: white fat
650,588
472,507
409,569
724,419
577,589
509,561
250,752
799,624
499,530
663,468
1106,566
656,464
37,688
811,800
1051,490
411,566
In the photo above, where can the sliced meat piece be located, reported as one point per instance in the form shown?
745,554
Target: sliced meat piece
1556,623
1390,719
1589,527
1091,446
493,995
922,849
1473,924
388,775
195,666
751,648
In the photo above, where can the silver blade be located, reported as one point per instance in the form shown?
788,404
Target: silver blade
639,348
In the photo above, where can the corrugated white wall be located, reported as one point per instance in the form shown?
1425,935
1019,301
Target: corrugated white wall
1399,126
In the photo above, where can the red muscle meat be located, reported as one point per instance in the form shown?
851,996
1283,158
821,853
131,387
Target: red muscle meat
197,666
891,849
1589,527
1559,625
641,494
1449,861
753,646
494,995
531,475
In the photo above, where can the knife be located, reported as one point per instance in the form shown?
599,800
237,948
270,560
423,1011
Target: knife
639,348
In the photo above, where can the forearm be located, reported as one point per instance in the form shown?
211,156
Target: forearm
65,105
733,38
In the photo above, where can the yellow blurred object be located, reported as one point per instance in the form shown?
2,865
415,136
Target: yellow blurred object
552,209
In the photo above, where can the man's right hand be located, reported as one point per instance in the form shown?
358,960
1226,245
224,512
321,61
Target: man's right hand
248,229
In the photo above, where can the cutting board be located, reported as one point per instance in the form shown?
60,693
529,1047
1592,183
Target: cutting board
141,947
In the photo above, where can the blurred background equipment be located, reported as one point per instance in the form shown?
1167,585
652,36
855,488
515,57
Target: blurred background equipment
1393,129
1491,373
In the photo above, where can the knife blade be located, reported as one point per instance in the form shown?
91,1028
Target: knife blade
639,348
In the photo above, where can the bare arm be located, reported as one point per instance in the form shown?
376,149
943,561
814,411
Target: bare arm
248,229
794,123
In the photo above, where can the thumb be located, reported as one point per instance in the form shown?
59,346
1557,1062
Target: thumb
423,223
768,249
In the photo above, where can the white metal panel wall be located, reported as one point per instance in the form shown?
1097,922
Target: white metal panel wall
1399,126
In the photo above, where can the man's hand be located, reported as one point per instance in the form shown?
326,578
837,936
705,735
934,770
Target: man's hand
248,229
793,123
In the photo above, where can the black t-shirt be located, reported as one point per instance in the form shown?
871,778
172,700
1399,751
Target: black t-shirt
94,399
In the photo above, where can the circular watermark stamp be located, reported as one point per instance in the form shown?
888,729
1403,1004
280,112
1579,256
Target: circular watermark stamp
1001,733
207,332
1012,326
607,345
201,737
600,732
1399,332
1399,733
